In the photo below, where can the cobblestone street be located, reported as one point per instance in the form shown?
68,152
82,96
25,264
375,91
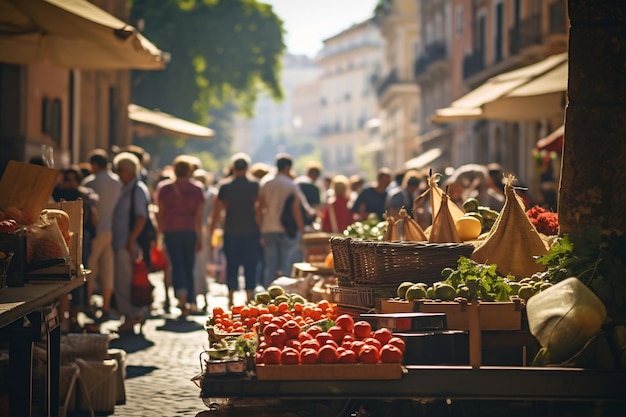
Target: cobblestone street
161,362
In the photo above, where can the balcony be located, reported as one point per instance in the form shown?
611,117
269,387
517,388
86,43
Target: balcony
391,78
474,63
525,34
557,18
433,53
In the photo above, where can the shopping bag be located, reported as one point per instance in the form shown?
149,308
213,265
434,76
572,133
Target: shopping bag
158,258
141,288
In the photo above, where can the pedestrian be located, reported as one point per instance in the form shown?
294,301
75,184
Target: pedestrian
372,199
181,207
237,198
404,195
275,237
126,228
107,186
202,256
336,216
311,192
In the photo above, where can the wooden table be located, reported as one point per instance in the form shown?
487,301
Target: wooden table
26,315
440,382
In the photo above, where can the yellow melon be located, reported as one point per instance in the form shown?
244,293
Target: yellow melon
468,227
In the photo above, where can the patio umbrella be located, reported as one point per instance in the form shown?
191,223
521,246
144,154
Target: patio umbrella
72,34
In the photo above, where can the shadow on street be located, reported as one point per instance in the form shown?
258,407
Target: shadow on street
133,371
131,343
180,326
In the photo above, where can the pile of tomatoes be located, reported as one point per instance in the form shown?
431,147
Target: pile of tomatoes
247,318
282,341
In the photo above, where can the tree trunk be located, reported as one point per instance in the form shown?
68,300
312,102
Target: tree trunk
593,175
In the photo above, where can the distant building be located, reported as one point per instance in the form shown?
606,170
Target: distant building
350,61
272,128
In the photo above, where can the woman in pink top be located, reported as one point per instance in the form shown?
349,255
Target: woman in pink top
181,207
336,215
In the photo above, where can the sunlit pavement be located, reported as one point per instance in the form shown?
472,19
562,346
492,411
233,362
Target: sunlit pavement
162,361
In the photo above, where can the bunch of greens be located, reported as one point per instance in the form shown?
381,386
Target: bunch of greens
369,229
596,258
479,281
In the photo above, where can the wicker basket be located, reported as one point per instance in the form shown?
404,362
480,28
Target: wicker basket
360,296
342,259
387,263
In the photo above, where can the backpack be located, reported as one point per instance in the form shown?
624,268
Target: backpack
287,219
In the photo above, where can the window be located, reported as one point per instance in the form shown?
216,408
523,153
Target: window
55,119
45,115
458,21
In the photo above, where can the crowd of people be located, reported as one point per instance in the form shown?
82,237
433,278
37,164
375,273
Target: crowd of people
252,221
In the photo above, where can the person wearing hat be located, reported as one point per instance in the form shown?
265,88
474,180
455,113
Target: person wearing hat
236,201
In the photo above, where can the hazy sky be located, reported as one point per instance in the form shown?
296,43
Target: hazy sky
309,22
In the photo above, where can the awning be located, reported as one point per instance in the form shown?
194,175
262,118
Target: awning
72,34
424,159
474,104
167,122
540,98
553,142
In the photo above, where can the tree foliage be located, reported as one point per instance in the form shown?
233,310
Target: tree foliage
221,51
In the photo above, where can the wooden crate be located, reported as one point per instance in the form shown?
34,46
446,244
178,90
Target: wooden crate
314,372
493,315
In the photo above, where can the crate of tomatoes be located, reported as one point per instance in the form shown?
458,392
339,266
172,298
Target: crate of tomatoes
340,349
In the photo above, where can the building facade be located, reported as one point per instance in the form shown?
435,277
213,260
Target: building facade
350,61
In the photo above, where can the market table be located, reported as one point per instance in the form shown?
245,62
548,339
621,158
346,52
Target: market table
440,382
26,314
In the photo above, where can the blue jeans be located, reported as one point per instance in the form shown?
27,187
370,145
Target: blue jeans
181,251
242,251
277,255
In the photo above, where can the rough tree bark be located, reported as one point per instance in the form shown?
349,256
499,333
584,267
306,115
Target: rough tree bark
593,175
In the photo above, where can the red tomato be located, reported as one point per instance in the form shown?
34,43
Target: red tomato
218,311
356,346
308,356
271,356
314,330
278,338
323,337
362,329
279,321
390,354
349,337
293,343
290,356
347,356
383,335
331,343
258,357
345,321
369,354
347,344
269,329
397,342
328,354
337,333
311,344
373,342
292,329
304,336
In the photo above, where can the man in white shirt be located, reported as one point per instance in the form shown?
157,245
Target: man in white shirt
275,237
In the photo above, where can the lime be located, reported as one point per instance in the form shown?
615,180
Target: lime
471,204
463,292
281,298
403,287
430,293
275,290
525,292
545,286
263,298
446,292
415,292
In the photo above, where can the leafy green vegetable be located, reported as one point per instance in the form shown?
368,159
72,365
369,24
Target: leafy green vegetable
597,259
482,280
370,229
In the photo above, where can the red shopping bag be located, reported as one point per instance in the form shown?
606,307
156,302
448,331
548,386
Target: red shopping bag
158,258
141,287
